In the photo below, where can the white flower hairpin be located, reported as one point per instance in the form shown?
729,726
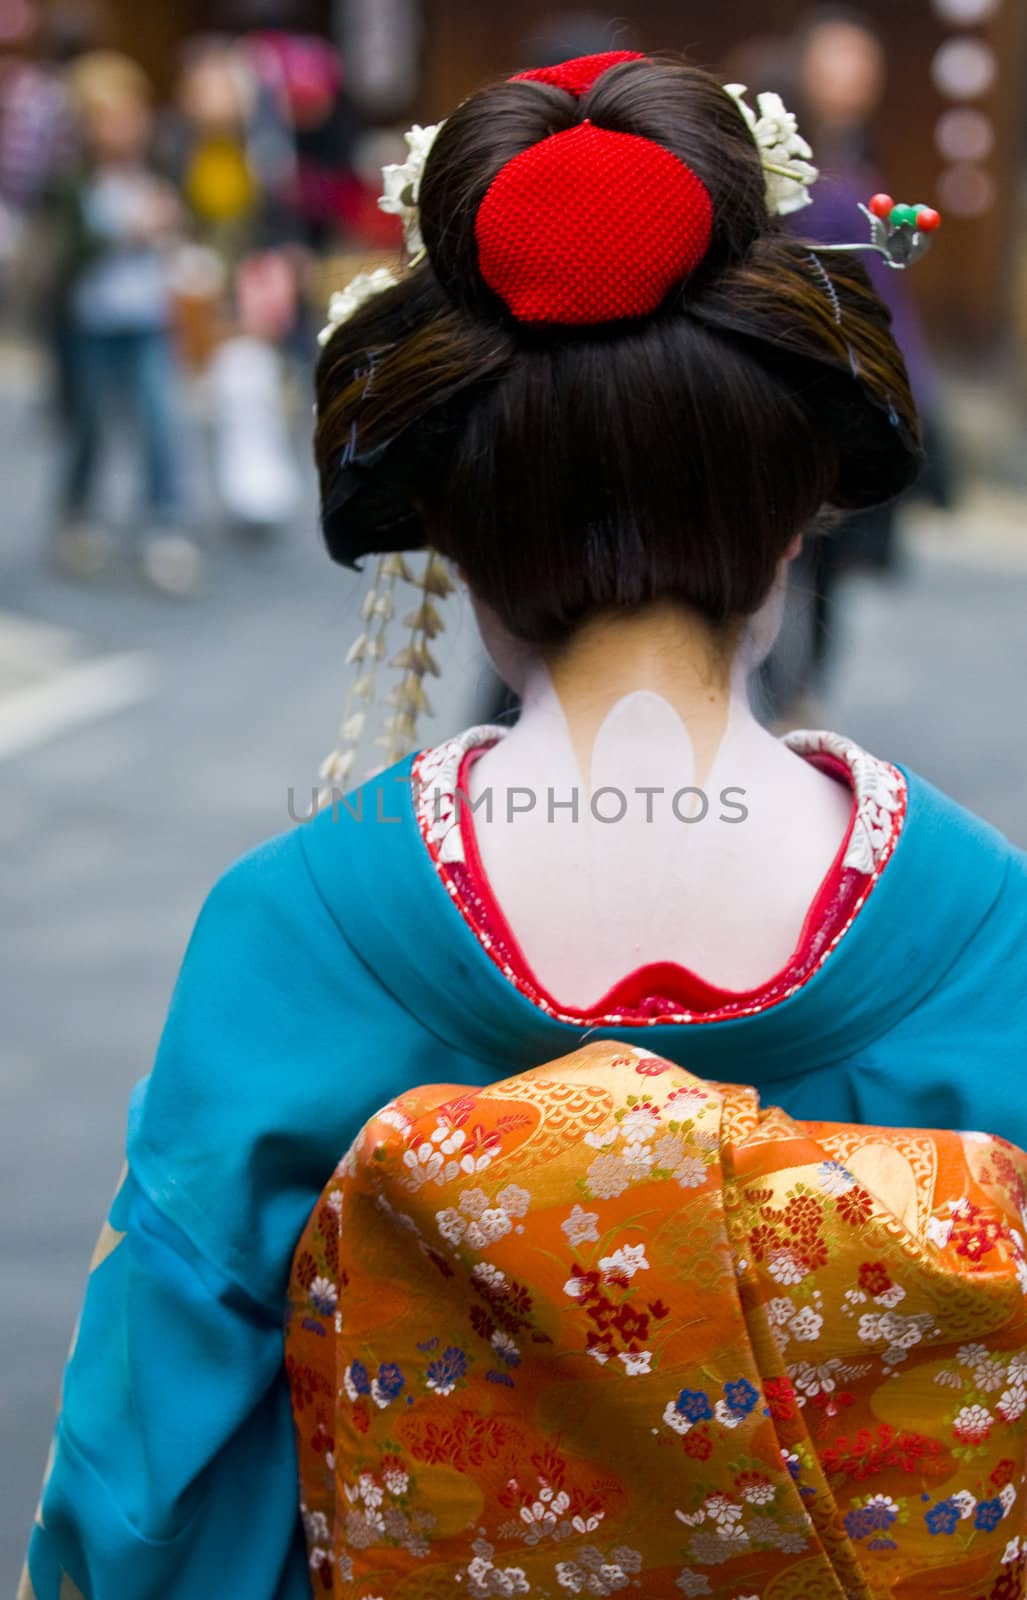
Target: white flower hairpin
345,302
785,154
401,198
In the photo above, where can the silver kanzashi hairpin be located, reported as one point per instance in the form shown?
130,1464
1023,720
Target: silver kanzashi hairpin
413,662
900,234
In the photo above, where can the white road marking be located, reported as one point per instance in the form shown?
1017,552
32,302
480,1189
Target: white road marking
73,696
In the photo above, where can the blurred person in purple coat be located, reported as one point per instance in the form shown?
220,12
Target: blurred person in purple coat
840,69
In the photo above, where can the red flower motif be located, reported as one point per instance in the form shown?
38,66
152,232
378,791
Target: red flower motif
601,1345
482,1323
551,1466
361,1416
321,1440
780,1398
854,1206
657,1310
873,1277
804,1216
1004,1473
306,1270
975,1234
698,1444
813,1254
601,1313
322,1570
872,1451
652,1067
632,1325
763,1240
589,1285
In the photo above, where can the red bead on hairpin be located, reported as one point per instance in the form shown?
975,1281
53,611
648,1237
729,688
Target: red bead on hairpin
899,233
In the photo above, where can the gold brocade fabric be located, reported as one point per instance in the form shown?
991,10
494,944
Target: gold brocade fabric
605,1328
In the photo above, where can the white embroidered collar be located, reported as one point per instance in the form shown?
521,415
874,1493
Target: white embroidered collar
879,792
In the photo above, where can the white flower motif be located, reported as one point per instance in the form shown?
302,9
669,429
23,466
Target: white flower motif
780,1310
806,1324
485,1272
669,1150
812,1380
834,1179
451,1225
402,180
989,1376
785,155
692,1583
722,1509
965,1503
1012,1551
358,291
580,1226
971,1355
673,1418
513,1200
608,1177
691,1173
625,1261
1012,1402
785,1267
973,1422
726,1416
638,1125
636,1363
1007,1495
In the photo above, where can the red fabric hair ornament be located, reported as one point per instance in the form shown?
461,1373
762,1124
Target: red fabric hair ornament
578,76
591,226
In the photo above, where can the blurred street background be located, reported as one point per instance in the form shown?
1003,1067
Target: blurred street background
181,187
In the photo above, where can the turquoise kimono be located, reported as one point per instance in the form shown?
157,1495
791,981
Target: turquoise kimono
328,972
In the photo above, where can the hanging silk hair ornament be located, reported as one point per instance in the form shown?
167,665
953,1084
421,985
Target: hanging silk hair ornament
407,699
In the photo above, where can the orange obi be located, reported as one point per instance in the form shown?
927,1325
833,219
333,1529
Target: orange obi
605,1328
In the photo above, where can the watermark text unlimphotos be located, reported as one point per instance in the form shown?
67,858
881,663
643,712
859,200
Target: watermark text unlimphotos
607,805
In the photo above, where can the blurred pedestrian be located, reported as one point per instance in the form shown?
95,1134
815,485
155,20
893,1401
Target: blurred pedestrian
835,67
116,223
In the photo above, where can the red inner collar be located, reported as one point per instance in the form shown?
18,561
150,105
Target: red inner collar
661,987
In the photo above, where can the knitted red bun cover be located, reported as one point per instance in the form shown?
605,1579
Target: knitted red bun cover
578,76
591,226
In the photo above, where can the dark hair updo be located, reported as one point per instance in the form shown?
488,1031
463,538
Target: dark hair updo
568,469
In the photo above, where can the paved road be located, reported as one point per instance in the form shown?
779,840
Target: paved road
112,831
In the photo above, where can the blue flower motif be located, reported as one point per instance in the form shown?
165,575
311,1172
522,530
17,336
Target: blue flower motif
988,1515
741,1396
390,1380
694,1405
447,1371
874,1518
500,1377
882,1544
857,1524
943,1518
360,1377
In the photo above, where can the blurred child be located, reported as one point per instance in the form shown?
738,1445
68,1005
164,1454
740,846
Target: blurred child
118,221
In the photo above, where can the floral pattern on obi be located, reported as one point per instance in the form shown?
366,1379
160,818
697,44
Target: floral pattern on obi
603,1328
